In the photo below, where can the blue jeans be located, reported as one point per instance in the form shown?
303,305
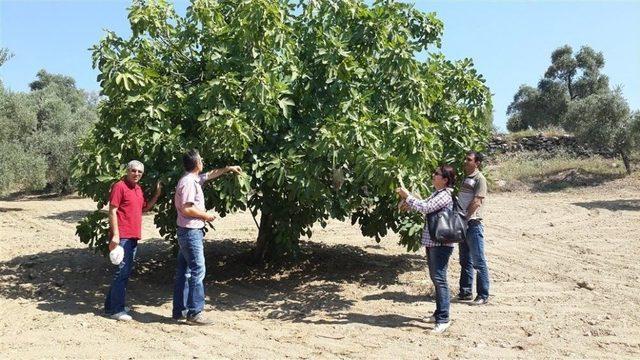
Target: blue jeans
114,302
438,259
472,257
188,292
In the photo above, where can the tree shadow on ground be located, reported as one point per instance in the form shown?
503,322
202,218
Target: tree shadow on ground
613,205
69,281
72,216
386,320
298,288
74,281
571,178
38,195
397,296
9,209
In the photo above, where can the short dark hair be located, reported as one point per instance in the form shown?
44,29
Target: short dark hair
447,172
190,159
477,157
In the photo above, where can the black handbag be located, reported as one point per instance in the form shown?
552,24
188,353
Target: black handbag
448,225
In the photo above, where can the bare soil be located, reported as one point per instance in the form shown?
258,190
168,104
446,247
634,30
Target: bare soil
564,269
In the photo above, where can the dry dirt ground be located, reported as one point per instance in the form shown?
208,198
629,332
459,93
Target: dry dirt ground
565,282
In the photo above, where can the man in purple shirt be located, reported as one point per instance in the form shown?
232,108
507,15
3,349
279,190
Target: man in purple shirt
188,293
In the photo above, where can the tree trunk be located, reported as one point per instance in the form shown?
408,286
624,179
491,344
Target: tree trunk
265,238
570,88
626,161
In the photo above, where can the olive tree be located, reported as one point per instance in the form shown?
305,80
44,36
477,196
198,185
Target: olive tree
5,55
324,104
605,120
569,78
39,133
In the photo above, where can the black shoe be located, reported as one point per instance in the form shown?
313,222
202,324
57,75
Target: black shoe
480,301
180,318
463,297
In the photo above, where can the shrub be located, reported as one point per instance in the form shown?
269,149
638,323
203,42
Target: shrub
43,125
20,169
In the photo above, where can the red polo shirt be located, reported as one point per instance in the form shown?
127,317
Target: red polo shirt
129,199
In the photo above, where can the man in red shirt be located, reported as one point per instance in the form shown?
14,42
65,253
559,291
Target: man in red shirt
126,205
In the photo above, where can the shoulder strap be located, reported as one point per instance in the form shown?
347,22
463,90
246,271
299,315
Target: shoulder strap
456,203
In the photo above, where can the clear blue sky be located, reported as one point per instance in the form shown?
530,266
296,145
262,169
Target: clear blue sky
510,41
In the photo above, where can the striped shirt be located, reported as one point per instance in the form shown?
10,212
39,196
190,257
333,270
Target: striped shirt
437,201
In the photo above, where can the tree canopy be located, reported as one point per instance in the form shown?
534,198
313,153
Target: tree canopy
604,120
324,104
575,95
39,132
568,78
5,55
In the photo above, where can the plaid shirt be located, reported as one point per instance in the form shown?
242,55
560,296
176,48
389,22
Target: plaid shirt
438,200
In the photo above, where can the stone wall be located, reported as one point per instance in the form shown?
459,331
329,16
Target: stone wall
500,144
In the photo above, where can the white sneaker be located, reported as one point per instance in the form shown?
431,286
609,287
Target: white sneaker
440,328
121,316
429,319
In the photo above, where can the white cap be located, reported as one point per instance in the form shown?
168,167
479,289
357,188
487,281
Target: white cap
116,255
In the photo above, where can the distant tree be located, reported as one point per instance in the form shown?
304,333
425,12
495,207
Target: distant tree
592,81
580,75
564,67
39,131
45,79
568,78
552,103
635,129
487,116
523,109
63,86
604,120
5,55
20,167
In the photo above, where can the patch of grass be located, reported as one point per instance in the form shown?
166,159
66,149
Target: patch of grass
540,171
547,132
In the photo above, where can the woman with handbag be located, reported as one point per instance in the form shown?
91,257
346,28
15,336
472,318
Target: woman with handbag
437,253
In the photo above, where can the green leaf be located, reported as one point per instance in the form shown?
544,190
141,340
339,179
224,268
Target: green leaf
323,105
